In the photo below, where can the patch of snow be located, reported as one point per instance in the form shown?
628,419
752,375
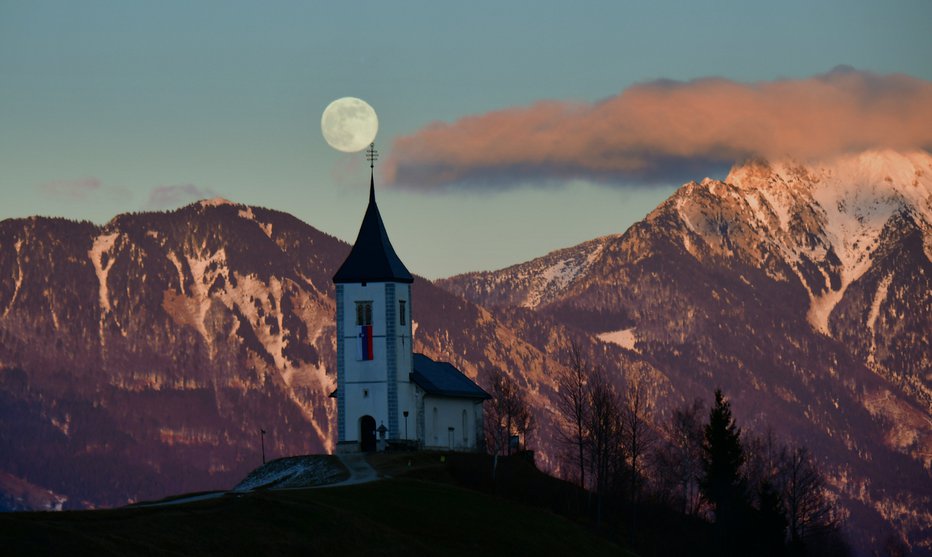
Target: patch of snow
291,472
557,271
879,297
174,259
778,206
205,271
19,276
248,214
215,202
688,244
820,309
257,301
625,338
102,245
680,203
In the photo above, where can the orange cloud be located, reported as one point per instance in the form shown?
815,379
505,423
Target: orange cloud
669,130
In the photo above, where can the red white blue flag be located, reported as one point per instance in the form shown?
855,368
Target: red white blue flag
364,343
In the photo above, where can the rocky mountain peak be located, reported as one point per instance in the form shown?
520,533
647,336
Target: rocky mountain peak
821,221
858,181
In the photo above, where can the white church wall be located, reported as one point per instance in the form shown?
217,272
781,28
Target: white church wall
365,399
404,362
443,413
364,380
407,401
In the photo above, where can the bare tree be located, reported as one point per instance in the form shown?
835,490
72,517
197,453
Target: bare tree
766,459
678,461
636,433
809,511
507,415
573,404
604,427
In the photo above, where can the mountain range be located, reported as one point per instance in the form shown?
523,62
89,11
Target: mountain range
140,358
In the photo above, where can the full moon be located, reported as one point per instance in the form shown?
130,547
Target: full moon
349,124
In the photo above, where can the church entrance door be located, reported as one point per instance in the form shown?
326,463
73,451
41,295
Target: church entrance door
367,433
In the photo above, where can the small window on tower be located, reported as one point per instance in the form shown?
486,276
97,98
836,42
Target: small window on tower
401,311
364,313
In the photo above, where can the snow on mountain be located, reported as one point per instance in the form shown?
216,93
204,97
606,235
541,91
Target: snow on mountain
532,284
625,338
850,198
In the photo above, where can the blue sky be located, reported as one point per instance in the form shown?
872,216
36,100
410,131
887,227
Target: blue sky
103,103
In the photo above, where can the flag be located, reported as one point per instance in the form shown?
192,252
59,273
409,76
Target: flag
364,343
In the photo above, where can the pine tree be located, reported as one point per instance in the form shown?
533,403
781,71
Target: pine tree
722,484
770,526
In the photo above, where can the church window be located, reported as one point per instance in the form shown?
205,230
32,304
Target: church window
465,428
401,311
364,313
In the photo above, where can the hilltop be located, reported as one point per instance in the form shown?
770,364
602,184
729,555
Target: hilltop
424,512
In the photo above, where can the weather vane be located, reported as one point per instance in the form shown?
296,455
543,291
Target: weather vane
372,155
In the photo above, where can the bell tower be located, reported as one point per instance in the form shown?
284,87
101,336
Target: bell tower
374,355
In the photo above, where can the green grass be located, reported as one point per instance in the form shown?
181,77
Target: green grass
393,517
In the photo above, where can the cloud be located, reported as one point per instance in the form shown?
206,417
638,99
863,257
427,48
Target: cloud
668,130
170,197
85,190
71,190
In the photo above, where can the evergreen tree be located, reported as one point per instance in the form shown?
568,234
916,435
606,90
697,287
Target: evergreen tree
722,485
770,524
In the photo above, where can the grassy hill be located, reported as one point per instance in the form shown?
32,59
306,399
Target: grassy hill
420,511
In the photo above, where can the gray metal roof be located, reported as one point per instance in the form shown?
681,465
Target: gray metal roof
442,379
372,259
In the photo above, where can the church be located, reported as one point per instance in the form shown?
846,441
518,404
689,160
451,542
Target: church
387,395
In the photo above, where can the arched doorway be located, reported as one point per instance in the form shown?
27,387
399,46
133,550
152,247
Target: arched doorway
367,433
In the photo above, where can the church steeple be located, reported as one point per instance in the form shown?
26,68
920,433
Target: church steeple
372,259
377,381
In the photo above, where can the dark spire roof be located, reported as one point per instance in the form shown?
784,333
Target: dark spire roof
372,258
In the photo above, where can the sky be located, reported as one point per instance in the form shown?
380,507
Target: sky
507,130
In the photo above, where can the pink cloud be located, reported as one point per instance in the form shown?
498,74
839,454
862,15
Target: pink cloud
169,197
667,130
71,190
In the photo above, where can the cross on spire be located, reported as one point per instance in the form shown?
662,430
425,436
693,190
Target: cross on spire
372,155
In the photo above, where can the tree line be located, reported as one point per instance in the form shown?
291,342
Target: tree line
757,494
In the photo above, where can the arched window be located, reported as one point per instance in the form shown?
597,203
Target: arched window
465,428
